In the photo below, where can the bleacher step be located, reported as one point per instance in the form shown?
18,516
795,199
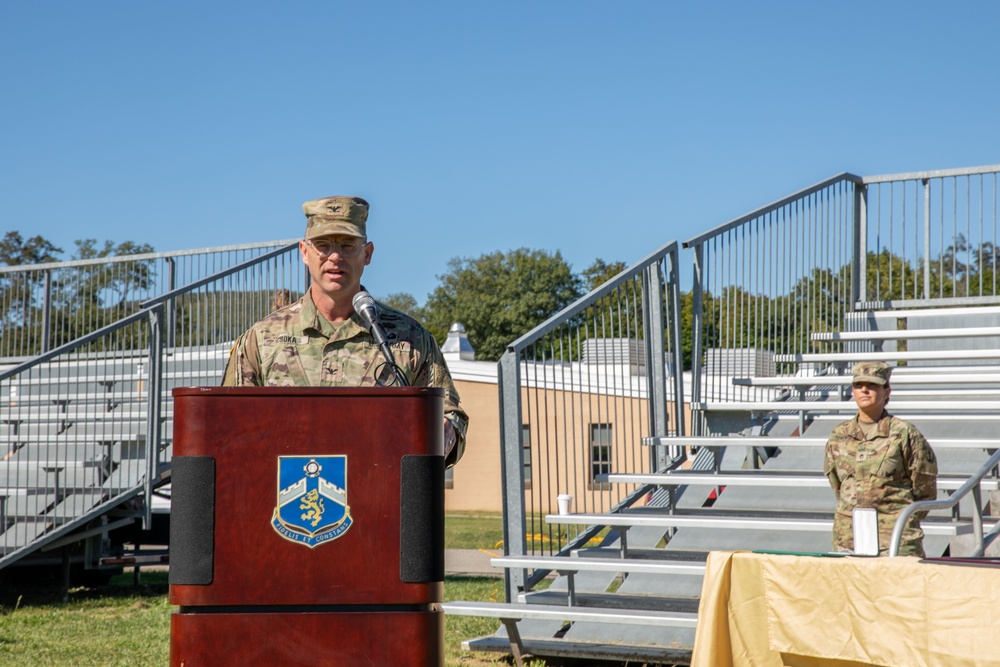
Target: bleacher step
849,407
615,601
519,611
579,564
573,649
765,479
732,522
804,441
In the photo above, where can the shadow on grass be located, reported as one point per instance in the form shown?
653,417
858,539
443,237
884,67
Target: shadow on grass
36,589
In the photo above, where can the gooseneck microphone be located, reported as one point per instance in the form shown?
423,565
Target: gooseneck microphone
364,306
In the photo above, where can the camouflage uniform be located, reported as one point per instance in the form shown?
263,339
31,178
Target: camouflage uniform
888,470
296,346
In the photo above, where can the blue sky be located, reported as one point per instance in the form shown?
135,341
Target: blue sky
599,129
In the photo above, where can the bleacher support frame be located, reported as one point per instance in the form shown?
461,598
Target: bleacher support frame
106,394
807,263
546,366
592,402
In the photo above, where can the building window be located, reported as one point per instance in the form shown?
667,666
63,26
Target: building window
526,454
600,453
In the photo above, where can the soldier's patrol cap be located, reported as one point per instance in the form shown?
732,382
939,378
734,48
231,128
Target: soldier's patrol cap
336,215
876,372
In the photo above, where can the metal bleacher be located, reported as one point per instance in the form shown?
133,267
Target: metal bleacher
664,464
742,491
744,470
77,452
86,425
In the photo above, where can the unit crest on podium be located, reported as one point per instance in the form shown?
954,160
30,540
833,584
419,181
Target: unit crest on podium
312,499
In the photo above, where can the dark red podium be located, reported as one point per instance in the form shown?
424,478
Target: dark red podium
307,526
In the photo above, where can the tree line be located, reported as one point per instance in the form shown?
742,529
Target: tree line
94,293
499,296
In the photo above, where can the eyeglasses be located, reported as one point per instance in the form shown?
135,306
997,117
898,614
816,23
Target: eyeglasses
326,248
871,386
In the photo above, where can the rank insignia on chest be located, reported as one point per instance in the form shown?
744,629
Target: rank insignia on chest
312,499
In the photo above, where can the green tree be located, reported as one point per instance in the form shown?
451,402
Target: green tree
15,250
21,292
616,314
404,302
500,296
891,277
111,285
96,294
963,270
983,281
600,272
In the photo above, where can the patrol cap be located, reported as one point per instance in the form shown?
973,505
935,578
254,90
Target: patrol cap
876,372
336,215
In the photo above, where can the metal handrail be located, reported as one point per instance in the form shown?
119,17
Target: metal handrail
844,176
657,295
773,206
155,314
143,257
73,344
593,297
145,308
190,287
152,417
972,484
934,173
51,303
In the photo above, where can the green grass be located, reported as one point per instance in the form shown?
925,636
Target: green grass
123,625
113,625
468,531
459,628
485,531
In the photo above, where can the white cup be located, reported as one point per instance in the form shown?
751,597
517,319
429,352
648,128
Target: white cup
565,503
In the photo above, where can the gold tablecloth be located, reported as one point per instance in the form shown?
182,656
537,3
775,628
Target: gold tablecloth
767,610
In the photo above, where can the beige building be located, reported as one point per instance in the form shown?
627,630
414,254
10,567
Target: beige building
474,485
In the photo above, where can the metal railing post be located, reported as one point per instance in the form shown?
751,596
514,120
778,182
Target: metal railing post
977,518
656,381
171,312
970,485
677,354
697,321
154,402
512,467
127,278
859,267
136,449
47,312
927,237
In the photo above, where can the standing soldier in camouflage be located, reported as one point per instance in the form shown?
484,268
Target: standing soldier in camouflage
879,461
320,341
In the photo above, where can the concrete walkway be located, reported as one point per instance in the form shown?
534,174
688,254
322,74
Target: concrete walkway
471,562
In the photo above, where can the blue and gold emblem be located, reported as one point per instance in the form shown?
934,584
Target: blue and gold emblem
312,499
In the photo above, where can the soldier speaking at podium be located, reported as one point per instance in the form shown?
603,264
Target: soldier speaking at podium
336,335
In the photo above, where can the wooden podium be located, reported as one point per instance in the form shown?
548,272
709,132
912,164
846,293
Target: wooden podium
307,526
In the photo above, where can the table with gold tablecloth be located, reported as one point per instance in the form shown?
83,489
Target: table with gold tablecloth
776,610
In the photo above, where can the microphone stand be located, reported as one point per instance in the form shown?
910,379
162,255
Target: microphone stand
364,306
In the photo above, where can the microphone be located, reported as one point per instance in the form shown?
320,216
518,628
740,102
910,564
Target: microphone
364,306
